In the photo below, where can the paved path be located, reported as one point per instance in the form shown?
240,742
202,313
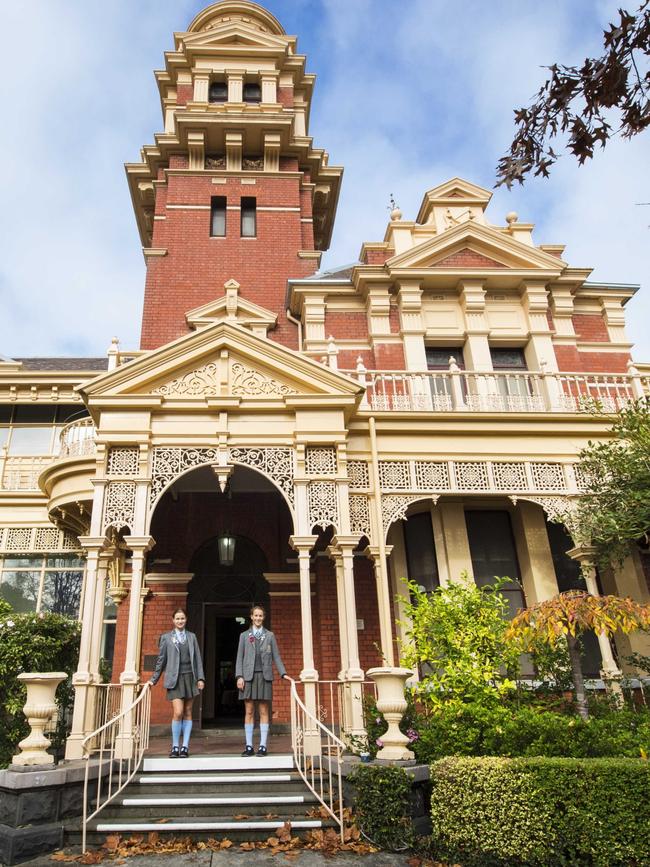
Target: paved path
243,859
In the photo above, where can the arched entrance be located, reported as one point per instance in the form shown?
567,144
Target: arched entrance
219,598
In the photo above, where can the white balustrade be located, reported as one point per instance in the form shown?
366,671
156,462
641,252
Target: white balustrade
458,390
77,439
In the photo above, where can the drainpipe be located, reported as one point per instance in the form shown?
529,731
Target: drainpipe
299,324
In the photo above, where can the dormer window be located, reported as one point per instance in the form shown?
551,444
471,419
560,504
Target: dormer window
252,92
218,91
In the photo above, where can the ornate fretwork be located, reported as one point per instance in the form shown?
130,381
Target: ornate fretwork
323,505
394,475
320,461
431,475
395,506
119,505
215,162
123,461
200,382
276,463
509,476
360,515
36,540
561,510
548,477
471,476
358,475
249,382
169,462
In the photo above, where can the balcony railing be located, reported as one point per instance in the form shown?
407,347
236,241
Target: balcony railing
77,439
456,390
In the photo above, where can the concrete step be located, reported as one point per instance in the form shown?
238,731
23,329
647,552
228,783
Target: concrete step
208,825
207,779
219,763
172,802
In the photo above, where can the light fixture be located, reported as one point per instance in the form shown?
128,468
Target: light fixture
226,549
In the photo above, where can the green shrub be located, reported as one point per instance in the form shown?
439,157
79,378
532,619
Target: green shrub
382,801
488,812
33,642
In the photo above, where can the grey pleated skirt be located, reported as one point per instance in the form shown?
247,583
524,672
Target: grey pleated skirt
185,688
257,689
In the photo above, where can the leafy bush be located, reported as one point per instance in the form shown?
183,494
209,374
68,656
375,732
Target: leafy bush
32,642
456,635
488,812
508,730
381,807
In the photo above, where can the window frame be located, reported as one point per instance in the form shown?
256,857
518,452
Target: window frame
248,212
218,209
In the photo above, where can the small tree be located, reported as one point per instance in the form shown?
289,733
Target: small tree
457,637
569,615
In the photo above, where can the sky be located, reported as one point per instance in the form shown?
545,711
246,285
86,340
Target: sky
407,95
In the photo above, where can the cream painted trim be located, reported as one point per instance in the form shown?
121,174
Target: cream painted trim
218,180
310,254
153,252
604,347
273,593
286,577
159,217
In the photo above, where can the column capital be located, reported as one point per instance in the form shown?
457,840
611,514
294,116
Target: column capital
139,543
95,543
302,544
342,543
584,554
372,552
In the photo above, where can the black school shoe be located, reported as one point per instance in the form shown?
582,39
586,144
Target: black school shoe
261,751
248,751
185,753
174,753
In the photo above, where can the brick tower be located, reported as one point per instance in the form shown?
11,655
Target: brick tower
233,188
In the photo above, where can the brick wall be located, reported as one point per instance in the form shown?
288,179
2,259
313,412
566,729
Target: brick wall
196,266
570,358
591,327
348,325
467,258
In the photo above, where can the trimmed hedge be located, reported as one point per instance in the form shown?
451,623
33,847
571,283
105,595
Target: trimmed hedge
541,812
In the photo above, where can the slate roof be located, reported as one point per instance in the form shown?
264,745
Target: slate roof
56,364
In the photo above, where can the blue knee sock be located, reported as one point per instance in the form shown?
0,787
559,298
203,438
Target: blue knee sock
264,733
248,728
177,725
187,731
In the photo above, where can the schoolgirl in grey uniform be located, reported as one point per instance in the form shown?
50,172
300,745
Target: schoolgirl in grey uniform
256,653
180,658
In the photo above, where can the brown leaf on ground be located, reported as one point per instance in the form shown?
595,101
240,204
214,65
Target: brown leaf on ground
284,833
226,843
153,837
61,856
247,846
91,857
272,841
241,816
270,816
162,821
414,861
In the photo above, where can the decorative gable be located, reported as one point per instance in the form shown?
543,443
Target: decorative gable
468,258
232,308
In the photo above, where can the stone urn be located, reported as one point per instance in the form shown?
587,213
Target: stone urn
391,702
38,709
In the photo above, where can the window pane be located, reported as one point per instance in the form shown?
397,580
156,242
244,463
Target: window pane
252,93
18,562
218,92
62,592
69,412
438,357
34,414
421,551
508,359
20,589
218,216
492,548
5,413
248,221
31,441
4,435
65,561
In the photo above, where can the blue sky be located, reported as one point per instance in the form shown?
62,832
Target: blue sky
408,94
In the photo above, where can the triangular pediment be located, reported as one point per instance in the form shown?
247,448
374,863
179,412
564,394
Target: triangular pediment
473,245
235,33
457,192
231,307
221,361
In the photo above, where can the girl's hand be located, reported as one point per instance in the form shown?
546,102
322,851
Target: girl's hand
200,684
240,683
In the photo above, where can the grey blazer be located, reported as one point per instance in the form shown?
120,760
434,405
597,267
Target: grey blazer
169,658
245,665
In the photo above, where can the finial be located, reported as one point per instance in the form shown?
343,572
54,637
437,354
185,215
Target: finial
511,217
395,212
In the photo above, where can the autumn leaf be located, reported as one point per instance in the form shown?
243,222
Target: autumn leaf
247,846
241,816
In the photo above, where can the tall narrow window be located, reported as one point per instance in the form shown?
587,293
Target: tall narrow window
421,551
218,91
492,548
441,383
252,92
512,383
218,216
248,217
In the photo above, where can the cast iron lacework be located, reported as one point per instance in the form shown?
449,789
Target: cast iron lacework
360,515
320,461
36,539
323,505
431,474
198,383
471,476
358,475
277,463
394,475
548,477
119,505
249,382
123,461
394,507
510,476
169,462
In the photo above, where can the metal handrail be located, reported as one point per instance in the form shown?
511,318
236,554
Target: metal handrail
120,743
306,729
